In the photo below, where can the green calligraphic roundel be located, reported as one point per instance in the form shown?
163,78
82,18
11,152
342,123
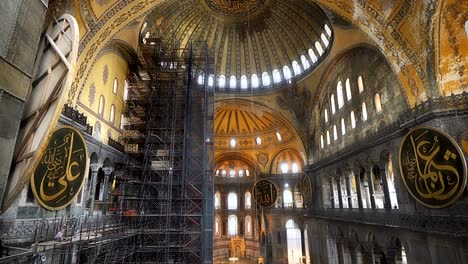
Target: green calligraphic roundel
61,170
265,193
432,167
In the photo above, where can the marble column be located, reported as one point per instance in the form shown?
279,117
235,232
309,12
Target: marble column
358,188
348,190
340,195
370,180
105,193
383,172
94,171
340,249
332,194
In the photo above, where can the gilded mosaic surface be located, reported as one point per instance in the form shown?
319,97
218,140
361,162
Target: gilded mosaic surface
235,7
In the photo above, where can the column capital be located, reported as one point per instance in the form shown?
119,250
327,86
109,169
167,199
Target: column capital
95,166
107,170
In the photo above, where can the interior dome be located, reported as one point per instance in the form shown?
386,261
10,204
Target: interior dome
256,44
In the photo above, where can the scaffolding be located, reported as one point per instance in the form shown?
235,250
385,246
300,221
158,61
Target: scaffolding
162,201
169,194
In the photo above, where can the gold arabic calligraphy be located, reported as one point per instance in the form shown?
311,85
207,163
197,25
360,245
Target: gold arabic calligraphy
60,172
432,167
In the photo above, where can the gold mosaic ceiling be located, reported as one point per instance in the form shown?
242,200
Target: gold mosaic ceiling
251,40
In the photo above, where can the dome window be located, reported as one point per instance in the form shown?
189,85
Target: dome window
328,30
210,80
324,40
287,72
258,140
305,62
353,120
332,102
335,133
364,111
343,127
284,167
348,90
295,168
378,104
319,48
200,79
321,141
243,82
312,56
232,82
276,76
328,137
233,143
296,68
255,81
222,81
325,113
278,136
266,79
360,84
339,94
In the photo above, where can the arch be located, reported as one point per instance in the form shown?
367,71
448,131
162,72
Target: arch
339,94
243,82
266,79
112,114
101,105
276,76
217,201
248,200
115,86
286,156
232,201
286,72
296,68
232,225
222,81
232,82
377,103
94,158
254,81
305,62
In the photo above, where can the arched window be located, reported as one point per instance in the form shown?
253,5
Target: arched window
121,121
332,103
232,201
278,136
248,226
241,173
286,72
328,137
353,120
112,114
232,225
243,82
295,167
348,90
232,82
125,94
324,40
266,79
255,81
210,80
248,200
378,105
217,201
312,55
360,84
232,173
339,94
276,76
258,140
321,141
293,240
247,173
325,113
335,133
101,105
284,167
319,48
466,28
343,127
364,111
223,173
115,87
328,30
305,62
200,79
296,68
222,81
287,198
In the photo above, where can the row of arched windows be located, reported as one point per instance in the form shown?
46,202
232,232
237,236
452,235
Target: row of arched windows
101,105
232,202
276,76
326,138
233,226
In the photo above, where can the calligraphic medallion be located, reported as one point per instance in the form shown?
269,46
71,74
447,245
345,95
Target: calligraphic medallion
432,167
306,190
265,193
61,170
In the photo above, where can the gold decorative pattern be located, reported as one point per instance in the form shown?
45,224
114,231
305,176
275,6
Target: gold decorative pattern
235,7
61,170
432,167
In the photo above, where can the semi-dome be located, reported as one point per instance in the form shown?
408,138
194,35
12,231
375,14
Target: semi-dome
256,44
